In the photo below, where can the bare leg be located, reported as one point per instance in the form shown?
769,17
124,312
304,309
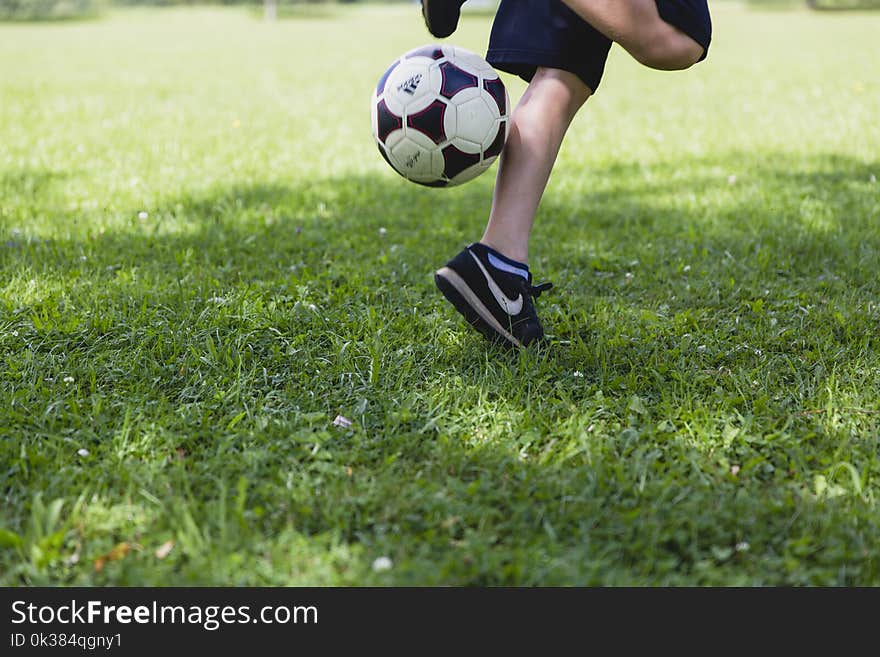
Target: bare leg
537,127
636,25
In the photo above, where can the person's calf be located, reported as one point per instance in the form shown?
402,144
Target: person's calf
537,127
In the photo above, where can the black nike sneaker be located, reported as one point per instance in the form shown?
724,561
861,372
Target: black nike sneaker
489,290
441,16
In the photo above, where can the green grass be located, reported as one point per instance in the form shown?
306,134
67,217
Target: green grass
707,412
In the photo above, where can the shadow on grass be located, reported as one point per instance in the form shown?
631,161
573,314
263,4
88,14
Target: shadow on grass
293,303
642,268
27,183
660,258
793,204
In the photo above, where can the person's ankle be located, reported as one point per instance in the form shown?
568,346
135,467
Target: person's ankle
512,252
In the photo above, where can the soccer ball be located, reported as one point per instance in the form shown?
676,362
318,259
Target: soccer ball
440,115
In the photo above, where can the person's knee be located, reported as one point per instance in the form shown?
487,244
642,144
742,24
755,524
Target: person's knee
668,50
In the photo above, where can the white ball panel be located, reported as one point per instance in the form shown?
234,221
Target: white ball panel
393,138
491,105
438,163
411,159
450,121
475,120
409,84
466,146
470,61
435,76
465,95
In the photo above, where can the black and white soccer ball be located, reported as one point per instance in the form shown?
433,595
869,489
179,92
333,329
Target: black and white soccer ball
440,115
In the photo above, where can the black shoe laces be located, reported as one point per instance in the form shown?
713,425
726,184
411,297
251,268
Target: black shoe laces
535,291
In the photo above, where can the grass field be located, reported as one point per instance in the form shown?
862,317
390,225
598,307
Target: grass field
195,282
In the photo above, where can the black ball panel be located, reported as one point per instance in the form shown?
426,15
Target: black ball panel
430,121
387,121
498,143
457,161
496,90
455,79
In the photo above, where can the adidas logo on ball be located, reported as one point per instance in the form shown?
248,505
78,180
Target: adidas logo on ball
410,86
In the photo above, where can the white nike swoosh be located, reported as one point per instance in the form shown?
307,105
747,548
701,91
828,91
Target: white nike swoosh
511,306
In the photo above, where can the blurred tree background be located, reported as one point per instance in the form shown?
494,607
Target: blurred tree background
843,4
35,10
49,10
816,4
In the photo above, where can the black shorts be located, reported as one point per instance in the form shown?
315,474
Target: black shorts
527,34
